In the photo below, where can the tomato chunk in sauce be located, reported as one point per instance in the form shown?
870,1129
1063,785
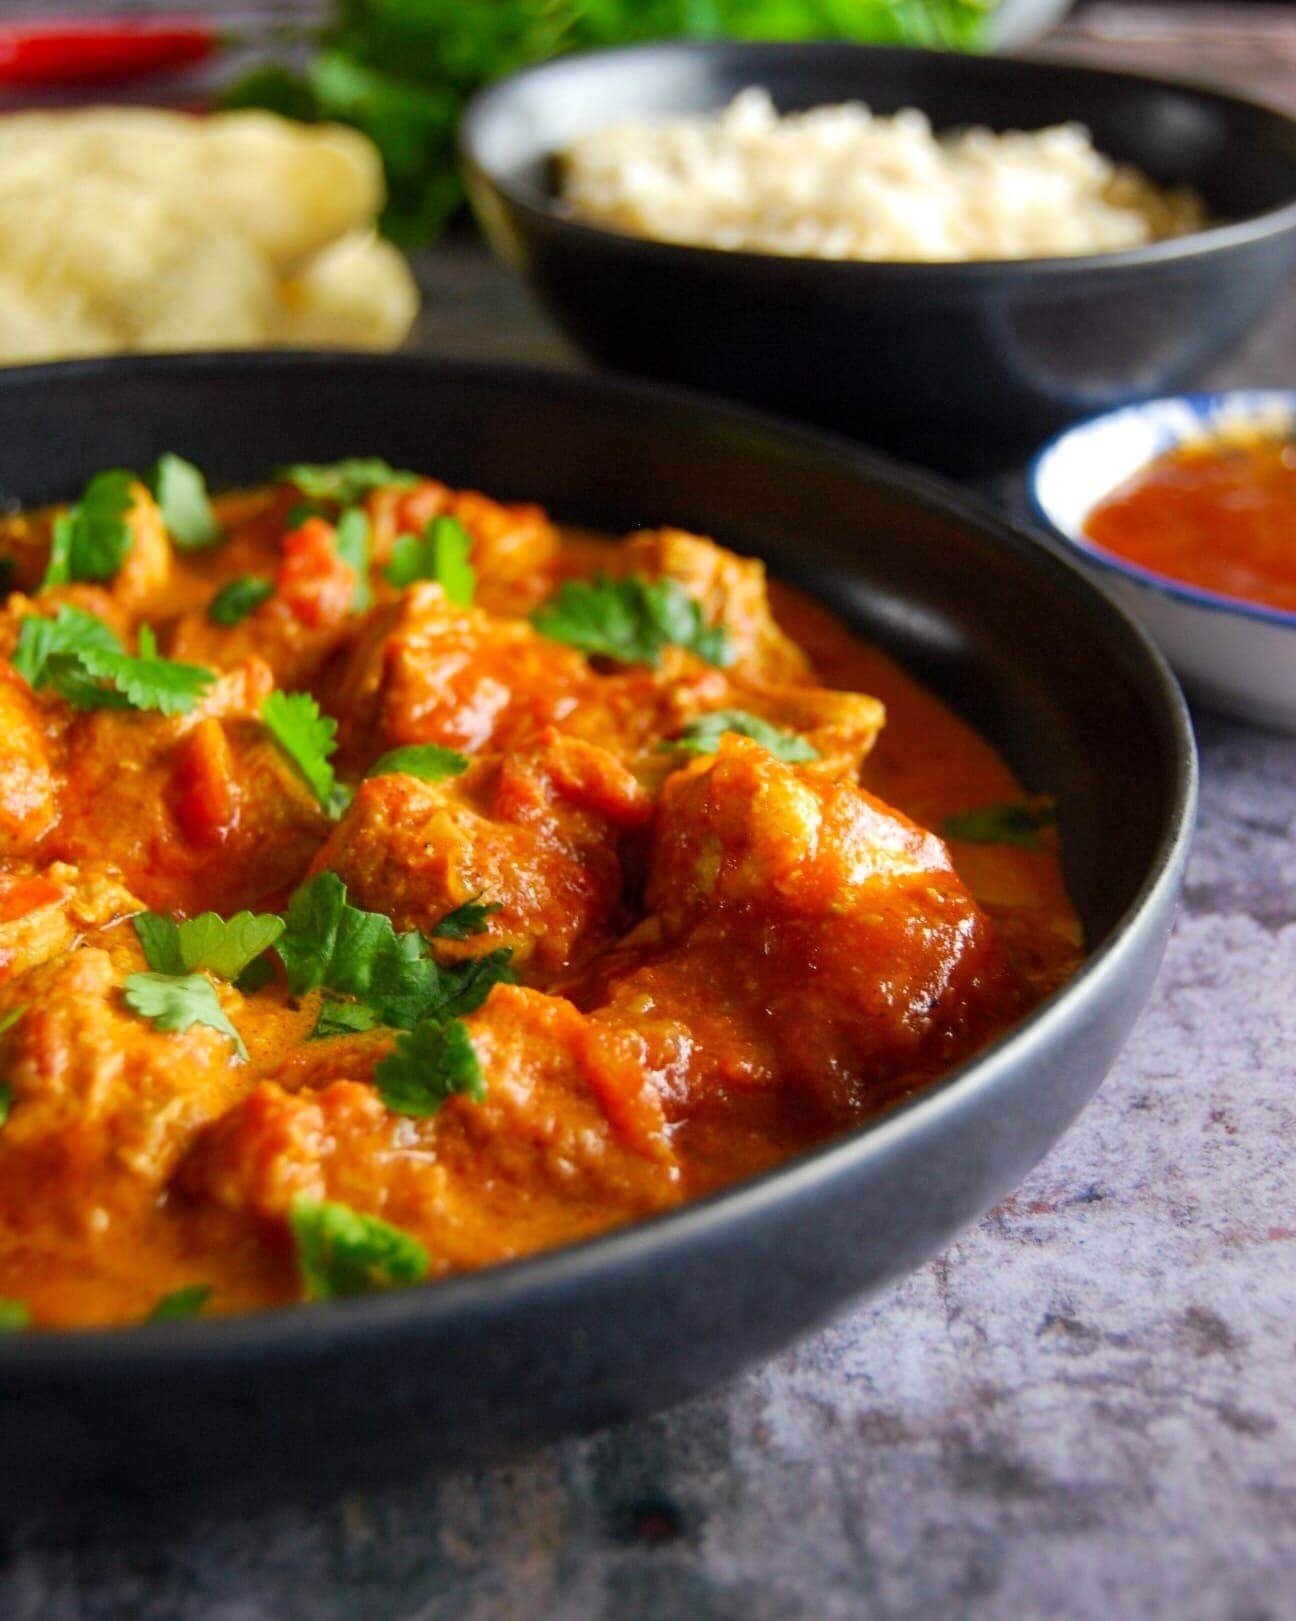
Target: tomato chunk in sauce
393,883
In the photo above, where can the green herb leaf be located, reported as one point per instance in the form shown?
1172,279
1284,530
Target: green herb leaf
308,738
14,1315
702,736
343,1018
82,659
174,1002
302,512
329,943
1018,822
353,547
8,1020
429,1064
222,946
181,1304
631,620
346,481
91,539
180,491
440,553
238,598
466,920
428,761
341,1252
6,1101
258,973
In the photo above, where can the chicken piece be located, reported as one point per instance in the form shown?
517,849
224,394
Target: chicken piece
538,833
732,592
103,1103
187,806
28,778
42,913
539,1162
515,547
308,618
806,931
426,671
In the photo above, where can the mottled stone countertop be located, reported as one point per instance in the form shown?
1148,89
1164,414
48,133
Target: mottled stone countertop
1084,1410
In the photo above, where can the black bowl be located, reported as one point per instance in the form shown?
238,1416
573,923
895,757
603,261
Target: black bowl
1010,633
966,367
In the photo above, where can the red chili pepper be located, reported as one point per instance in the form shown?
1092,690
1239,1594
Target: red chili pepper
73,52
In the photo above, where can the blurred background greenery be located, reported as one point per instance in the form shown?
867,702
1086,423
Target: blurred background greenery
401,70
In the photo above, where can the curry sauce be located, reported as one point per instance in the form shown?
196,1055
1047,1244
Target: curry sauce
393,883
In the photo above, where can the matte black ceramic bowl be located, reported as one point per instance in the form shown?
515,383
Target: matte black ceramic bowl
967,367
1010,633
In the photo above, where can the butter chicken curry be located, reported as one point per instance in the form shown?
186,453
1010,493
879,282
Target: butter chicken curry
393,883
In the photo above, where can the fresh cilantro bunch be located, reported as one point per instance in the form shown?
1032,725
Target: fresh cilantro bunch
401,70
631,620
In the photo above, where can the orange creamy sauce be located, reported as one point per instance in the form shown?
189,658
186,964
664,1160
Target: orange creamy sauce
1220,516
721,960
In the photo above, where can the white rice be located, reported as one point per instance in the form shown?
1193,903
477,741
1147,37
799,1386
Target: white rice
842,183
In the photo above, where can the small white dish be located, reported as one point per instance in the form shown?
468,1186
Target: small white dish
1235,656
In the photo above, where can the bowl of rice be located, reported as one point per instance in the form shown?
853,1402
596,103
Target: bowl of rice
948,256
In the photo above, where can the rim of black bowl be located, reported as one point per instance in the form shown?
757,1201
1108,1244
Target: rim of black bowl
127,1352
1221,238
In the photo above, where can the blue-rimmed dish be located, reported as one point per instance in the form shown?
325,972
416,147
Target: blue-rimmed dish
1236,656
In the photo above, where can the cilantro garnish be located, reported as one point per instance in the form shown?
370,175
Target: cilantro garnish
223,946
631,620
425,760
180,491
237,599
343,1018
331,944
429,1065
1018,822
6,1101
299,513
82,659
308,738
702,736
174,1002
440,553
8,1020
341,1252
14,1315
91,539
181,1304
352,542
346,481
465,920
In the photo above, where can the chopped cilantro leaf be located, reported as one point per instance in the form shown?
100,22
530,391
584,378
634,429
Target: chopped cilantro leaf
465,920
429,1064
298,514
1019,822
440,553
346,481
82,659
238,598
223,946
352,542
329,943
630,620
91,539
8,1020
14,1316
702,736
180,491
181,1304
341,1252
260,971
6,1101
343,1018
426,760
308,738
174,1002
